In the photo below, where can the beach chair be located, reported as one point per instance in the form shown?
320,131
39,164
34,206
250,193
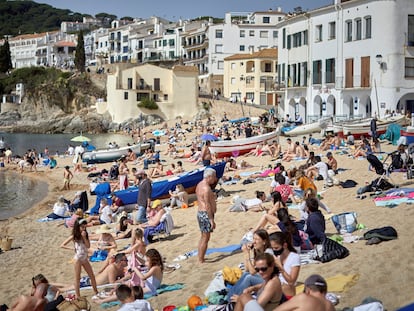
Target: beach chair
163,229
382,169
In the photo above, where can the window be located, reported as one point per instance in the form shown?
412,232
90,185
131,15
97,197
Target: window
233,65
171,42
266,20
171,54
284,38
297,39
305,73
368,27
264,34
268,67
219,48
124,38
233,80
219,33
410,31
125,95
275,34
165,97
318,33
330,71
157,83
242,33
305,37
358,26
220,64
332,30
241,48
317,72
164,42
125,49
129,83
288,42
348,30
251,33
141,96
409,67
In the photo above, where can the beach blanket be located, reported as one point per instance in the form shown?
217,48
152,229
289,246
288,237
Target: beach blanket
163,288
98,255
338,283
47,219
225,249
409,307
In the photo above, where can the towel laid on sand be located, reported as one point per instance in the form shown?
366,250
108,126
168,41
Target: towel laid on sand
338,283
225,249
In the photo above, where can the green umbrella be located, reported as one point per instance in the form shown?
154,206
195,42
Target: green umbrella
80,138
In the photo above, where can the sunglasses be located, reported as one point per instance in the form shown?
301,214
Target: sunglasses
261,269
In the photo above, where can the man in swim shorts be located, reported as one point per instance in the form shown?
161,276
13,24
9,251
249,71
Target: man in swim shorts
206,210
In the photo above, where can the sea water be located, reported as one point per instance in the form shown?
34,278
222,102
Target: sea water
19,192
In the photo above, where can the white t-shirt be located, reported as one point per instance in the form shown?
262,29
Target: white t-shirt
293,260
106,215
139,304
60,209
322,169
252,202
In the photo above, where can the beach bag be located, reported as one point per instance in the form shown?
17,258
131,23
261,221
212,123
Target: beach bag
306,243
384,233
345,222
77,304
331,250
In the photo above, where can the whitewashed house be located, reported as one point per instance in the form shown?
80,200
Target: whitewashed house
352,58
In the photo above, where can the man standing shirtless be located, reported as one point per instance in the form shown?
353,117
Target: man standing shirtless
206,210
206,154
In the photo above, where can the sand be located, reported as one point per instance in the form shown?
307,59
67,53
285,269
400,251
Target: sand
385,271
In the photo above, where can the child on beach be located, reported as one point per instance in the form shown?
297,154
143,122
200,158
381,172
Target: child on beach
67,177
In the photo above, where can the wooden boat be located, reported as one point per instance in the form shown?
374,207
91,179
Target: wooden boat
308,128
160,189
109,155
363,128
228,148
408,133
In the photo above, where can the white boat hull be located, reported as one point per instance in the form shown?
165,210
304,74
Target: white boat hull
109,155
228,148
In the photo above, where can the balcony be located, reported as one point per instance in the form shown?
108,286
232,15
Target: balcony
144,87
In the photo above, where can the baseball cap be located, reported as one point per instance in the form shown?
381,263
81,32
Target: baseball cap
318,281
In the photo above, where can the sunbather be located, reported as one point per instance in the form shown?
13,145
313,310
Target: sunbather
270,216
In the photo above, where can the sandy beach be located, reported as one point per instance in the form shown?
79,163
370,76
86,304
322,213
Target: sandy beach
384,271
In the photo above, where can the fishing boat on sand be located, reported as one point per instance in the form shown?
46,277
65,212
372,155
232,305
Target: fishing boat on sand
308,128
236,147
109,155
362,128
160,189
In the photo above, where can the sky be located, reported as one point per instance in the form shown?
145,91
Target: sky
176,9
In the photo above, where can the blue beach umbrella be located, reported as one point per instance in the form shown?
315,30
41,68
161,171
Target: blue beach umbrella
208,137
158,133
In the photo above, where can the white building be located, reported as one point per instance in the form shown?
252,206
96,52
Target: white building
353,58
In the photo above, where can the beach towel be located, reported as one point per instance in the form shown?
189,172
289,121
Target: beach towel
338,283
225,249
99,255
409,307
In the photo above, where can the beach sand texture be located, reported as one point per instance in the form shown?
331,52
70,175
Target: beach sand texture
385,271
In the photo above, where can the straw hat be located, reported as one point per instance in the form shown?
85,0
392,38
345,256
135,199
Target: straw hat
104,229
156,203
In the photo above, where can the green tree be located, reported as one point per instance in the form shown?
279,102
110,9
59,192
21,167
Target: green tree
80,53
5,57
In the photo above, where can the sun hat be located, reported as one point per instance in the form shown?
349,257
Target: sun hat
156,203
83,221
104,229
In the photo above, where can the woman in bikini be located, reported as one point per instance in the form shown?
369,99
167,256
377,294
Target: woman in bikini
153,275
81,242
269,292
270,216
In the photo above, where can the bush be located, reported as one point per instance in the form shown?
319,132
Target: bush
148,104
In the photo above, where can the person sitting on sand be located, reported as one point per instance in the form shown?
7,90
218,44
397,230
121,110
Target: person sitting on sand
288,227
35,302
319,171
105,214
300,153
117,205
137,245
123,228
269,291
332,163
154,219
315,224
251,251
131,156
285,190
60,209
179,197
303,183
78,214
271,216
287,260
113,273
130,301
363,149
171,150
327,143
105,240
267,172
52,291
290,151
157,171
312,299
310,193
256,152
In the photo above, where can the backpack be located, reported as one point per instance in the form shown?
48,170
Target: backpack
396,161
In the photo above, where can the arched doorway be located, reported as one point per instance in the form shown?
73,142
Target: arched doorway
348,106
366,106
330,106
301,108
318,107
